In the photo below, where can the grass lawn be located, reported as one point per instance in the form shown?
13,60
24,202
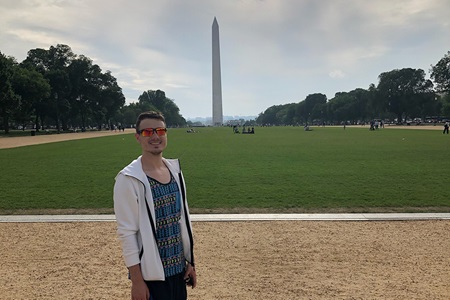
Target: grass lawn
278,169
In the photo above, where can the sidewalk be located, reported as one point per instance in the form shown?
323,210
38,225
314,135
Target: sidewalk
240,217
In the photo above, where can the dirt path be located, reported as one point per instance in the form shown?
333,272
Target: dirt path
238,260
13,142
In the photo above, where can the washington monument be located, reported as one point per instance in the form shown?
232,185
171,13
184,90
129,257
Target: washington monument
217,114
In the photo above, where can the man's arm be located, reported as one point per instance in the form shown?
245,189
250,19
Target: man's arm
139,289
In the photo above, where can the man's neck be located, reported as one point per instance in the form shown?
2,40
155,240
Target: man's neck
152,161
154,167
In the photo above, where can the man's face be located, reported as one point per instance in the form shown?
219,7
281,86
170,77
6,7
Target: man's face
154,144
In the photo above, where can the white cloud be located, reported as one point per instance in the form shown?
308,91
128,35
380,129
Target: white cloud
336,74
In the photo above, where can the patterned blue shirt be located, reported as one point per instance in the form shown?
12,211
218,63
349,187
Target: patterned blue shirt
167,201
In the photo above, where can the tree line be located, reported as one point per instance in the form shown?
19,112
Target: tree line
399,95
58,89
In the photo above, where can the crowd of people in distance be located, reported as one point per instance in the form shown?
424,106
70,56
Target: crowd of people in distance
375,124
115,128
244,130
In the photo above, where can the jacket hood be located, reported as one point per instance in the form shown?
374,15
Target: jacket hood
135,168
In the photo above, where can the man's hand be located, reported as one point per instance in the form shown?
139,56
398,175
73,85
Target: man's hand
190,274
139,289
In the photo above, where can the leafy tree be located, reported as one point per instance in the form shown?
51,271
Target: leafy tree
130,113
445,104
271,116
9,100
308,110
81,72
290,117
110,98
172,114
440,73
32,88
37,59
282,116
53,64
157,100
362,99
80,93
342,106
402,88
301,114
58,102
60,57
375,104
352,106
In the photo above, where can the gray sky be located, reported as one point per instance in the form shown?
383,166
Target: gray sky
272,51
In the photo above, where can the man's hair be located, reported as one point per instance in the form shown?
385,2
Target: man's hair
149,115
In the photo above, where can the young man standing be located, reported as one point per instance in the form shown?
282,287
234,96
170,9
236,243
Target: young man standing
153,222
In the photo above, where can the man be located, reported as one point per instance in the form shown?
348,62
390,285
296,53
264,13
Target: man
153,222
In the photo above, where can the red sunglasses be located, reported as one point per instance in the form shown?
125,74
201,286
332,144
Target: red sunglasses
149,131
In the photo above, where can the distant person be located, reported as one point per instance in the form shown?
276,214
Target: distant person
153,222
446,125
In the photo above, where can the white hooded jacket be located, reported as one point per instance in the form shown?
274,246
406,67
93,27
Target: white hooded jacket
135,216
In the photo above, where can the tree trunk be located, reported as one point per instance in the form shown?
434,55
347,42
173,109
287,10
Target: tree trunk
36,123
6,123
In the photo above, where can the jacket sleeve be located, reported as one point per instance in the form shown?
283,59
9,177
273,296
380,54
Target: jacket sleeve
126,209
188,243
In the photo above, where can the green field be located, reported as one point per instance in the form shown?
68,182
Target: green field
278,169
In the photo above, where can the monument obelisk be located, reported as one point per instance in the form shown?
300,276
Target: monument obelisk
217,114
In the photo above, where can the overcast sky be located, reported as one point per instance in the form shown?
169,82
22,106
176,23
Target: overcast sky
272,51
